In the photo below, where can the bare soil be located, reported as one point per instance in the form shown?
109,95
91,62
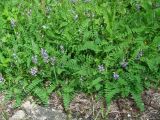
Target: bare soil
85,107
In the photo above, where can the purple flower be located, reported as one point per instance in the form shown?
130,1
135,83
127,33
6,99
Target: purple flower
45,55
34,59
13,23
34,71
139,55
101,68
115,76
53,60
1,78
124,64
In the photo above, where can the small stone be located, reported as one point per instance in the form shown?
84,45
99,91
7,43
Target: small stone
129,115
28,106
19,115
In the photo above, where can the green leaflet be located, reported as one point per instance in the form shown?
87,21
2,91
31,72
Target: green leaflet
42,94
89,45
137,98
32,85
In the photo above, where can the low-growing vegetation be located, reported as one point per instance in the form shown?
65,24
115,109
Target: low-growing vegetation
110,48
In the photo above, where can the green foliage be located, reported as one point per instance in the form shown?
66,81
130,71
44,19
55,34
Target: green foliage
42,94
67,95
137,98
32,85
109,48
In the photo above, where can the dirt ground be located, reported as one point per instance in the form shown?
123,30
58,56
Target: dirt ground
85,107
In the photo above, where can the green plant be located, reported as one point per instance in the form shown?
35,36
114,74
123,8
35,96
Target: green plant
109,48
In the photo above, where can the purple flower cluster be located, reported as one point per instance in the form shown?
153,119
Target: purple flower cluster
139,55
46,59
45,55
115,76
101,68
124,64
34,71
13,23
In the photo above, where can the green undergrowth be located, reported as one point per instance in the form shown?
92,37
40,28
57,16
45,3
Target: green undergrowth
110,48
